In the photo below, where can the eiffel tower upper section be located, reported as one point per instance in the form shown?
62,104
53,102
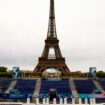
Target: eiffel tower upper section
51,42
52,26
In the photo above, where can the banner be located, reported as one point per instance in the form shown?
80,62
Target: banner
15,96
15,72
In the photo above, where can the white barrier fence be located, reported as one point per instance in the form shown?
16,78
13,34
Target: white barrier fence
46,101
64,101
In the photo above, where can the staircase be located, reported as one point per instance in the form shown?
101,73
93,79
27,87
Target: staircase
11,86
98,86
37,88
73,88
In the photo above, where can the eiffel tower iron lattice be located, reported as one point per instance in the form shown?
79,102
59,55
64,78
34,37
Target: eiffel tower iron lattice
55,60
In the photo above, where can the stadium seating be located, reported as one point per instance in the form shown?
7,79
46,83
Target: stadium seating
61,86
85,86
25,86
5,84
102,83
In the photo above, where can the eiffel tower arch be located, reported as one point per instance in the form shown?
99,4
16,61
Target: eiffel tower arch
55,60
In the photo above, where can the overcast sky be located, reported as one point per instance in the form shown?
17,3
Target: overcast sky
80,29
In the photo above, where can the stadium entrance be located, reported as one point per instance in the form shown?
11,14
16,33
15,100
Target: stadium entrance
52,73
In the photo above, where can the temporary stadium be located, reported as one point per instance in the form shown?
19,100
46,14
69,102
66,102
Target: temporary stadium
59,86
40,90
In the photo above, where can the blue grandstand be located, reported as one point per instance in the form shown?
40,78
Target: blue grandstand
102,83
5,84
25,86
85,86
62,87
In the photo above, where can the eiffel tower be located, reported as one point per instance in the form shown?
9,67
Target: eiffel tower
47,60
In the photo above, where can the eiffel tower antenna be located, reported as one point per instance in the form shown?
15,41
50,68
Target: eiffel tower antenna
55,60
52,25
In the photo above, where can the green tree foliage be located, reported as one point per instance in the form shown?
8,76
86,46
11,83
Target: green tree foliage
6,74
3,69
101,74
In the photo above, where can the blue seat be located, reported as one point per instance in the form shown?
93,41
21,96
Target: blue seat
102,83
5,84
85,86
62,87
25,86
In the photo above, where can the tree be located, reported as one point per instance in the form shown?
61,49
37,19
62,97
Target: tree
3,69
101,74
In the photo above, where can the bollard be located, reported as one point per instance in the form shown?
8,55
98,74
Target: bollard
80,101
47,101
54,101
91,101
37,100
28,100
65,100
61,101
86,101
73,100
44,101
94,101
